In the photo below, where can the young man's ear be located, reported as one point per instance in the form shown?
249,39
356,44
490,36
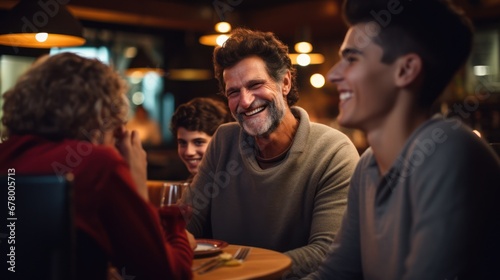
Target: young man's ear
409,69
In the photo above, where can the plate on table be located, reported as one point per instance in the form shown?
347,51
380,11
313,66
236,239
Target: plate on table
209,247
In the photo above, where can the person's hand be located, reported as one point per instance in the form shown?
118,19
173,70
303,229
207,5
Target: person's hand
191,239
186,211
130,147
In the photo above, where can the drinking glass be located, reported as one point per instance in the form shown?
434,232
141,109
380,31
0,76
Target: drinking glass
173,195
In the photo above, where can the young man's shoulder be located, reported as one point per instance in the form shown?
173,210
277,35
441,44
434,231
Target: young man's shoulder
446,131
448,141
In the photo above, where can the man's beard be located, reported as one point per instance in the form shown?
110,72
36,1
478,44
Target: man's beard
257,127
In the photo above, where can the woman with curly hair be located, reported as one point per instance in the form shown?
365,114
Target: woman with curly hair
193,125
66,114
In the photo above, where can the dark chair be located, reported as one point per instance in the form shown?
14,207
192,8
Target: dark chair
40,221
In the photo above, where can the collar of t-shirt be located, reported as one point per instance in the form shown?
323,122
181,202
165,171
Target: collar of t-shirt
265,163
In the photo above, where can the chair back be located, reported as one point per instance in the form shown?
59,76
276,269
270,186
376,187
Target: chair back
40,241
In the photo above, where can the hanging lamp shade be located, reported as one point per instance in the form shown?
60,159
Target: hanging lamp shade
38,24
217,39
303,47
304,59
141,64
193,62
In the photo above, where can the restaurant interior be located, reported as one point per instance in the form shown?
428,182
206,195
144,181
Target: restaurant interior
163,48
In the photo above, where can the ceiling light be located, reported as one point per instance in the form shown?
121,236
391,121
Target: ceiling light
314,58
35,24
213,39
189,74
138,98
481,70
223,27
192,62
303,47
317,80
141,64
219,38
303,59
42,37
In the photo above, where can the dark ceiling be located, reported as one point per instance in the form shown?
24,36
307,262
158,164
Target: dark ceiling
238,4
285,18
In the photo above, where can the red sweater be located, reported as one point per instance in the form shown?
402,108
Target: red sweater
108,208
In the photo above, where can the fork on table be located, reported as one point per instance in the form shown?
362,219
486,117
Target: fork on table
240,255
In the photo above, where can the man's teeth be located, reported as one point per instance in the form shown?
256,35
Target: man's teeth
255,111
345,96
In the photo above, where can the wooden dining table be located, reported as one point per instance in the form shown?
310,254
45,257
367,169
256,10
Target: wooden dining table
260,264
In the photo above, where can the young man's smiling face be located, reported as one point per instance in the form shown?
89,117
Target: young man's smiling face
191,147
365,84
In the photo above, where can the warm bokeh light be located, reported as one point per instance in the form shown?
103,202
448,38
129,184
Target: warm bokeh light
223,27
221,39
317,80
138,98
477,132
303,47
216,39
213,39
315,58
135,79
303,59
130,52
481,70
41,37
190,74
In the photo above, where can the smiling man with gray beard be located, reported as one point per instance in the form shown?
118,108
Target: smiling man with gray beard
273,179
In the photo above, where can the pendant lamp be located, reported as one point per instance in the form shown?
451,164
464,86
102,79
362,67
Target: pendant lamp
217,39
40,24
193,62
141,64
303,47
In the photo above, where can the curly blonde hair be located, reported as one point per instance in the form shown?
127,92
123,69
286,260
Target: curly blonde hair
66,96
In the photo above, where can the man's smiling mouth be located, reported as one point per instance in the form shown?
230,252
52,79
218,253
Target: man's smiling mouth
254,111
345,96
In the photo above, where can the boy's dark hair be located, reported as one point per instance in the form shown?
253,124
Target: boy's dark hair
244,43
200,114
435,30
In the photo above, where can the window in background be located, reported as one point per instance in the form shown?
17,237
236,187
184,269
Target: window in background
168,101
144,94
482,72
101,53
478,103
